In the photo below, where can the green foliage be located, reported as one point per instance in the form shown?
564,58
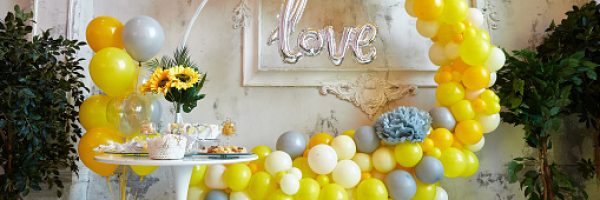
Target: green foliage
186,99
537,93
40,90
580,31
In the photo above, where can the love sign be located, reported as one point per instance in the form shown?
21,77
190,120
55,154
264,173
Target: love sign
311,42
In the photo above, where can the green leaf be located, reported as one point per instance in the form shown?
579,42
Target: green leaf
513,168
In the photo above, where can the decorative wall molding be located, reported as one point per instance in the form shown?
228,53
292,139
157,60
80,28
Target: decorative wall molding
241,15
492,17
369,92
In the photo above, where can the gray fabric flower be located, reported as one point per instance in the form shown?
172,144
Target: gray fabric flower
403,124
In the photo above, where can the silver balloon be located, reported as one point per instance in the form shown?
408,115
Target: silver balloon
442,118
311,42
338,51
292,142
143,38
156,111
401,185
429,170
289,17
364,38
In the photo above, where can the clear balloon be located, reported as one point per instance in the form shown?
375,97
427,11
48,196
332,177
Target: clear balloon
278,161
322,159
130,113
92,139
346,174
92,112
408,154
103,32
143,37
384,160
371,189
113,71
344,146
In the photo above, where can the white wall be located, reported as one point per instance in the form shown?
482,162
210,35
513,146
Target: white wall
262,113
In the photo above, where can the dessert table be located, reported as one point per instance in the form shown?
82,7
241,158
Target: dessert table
182,169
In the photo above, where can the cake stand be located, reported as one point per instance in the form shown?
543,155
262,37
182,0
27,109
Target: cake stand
182,169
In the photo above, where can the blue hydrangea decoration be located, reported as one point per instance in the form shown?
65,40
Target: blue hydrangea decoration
403,124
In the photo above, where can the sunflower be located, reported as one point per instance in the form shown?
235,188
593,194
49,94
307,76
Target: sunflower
159,82
183,77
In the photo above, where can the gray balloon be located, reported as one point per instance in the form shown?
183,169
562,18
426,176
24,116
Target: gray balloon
366,139
442,118
216,195
430,170
292,142
143,37
401,185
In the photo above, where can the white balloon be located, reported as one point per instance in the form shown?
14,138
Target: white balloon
346,174
289,184
496,60
427,29
477,146
296,172
475,17
493,77
322,159
239,196
408,5
196,192
489,123
440,193
278,161
437,55
452,50
344,147
473,94
214,177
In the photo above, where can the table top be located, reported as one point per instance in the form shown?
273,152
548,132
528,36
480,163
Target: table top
145,161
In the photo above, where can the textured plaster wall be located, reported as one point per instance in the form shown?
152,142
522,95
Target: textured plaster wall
262,113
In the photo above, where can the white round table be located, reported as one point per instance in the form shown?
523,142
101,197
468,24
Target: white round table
182,169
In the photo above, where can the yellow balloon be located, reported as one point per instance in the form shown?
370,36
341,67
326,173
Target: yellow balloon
472,163
442,138
449,93
443,77
454,11
479,105
428,9
408,154
475,51
475,78
197,192
349,133
454,162
237,176
436,153
427,145
198,175
492,108
92,139
468,132
114,72
143,170
371,189
279,195
384,160
320,138
424,191
322,179
309,190
103,32
363,161
462,110
302,164
261,184
261,151
92,112
488,95
333,192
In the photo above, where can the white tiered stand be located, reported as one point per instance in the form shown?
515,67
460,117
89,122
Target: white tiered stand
182,169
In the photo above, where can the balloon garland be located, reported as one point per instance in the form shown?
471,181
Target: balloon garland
382,162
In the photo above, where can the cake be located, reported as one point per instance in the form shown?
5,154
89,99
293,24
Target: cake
167,147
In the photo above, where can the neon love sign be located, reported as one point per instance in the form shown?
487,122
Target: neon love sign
311,42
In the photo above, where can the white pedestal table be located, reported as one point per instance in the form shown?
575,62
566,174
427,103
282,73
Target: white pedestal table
182,169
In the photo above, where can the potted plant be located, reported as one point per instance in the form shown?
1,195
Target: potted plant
537,95
41,88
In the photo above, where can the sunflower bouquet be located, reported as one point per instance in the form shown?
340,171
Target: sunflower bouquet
178,79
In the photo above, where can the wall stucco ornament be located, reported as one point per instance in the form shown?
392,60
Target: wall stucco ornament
241,15
369,92
491,15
